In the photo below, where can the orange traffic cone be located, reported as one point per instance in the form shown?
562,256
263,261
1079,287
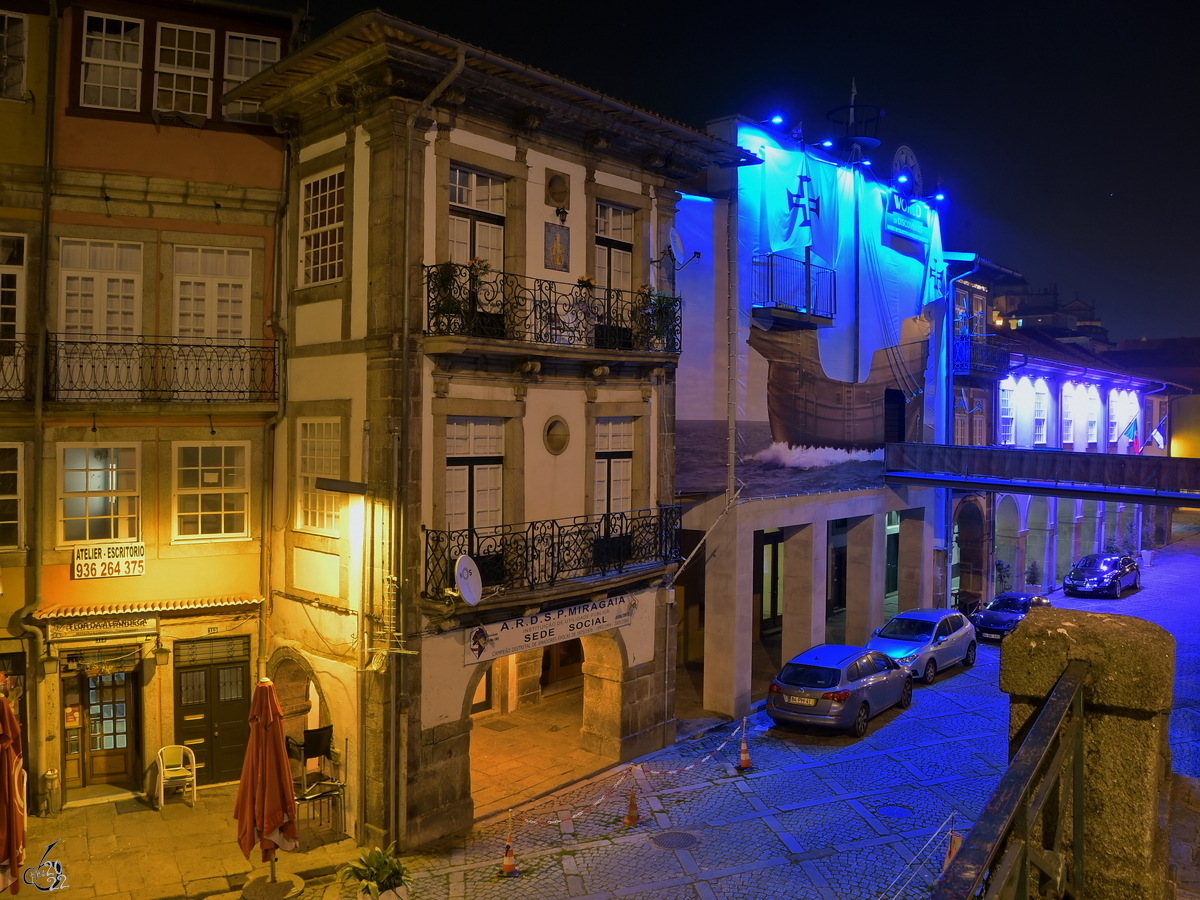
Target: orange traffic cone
508,868
744,762
632,817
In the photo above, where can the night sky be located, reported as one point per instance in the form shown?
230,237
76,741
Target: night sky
1062,134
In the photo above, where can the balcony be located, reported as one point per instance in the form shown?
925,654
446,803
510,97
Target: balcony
533,555
16,375
792,292
502,306
160,369
974,355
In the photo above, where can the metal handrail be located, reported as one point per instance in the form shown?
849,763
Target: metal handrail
997,855
798,284
973,353
16,367
511,307
530,555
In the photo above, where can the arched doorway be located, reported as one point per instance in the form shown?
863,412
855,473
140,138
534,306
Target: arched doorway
1008,530
970,538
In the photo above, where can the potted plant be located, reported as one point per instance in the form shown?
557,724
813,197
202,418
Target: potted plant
1033,575
379,873
1003,575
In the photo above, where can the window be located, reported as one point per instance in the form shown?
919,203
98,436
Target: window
211,287
12,306
614,465
614,247
98,493
112,62
183,70
1068,414
960,430
245,56
1114,412
1007,430
12,56
211,491
101,290
320,447
10,495
321,230
1039,415
1093,408
476,218
474,472
979,436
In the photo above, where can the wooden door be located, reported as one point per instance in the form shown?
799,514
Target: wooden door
212,711
109,756
562,661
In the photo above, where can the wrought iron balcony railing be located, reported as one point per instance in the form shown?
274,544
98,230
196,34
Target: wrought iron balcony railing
796,285
539,554
973,355
16,376
509,307
160,369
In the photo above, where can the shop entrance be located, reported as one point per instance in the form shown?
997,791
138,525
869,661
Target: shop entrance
212,704
99,724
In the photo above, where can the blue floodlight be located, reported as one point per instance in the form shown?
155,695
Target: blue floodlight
826,143
902,178
939,196
866,162
777,119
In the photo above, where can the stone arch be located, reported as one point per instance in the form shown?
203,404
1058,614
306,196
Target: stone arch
971,537
1008,538
477,675
1037,540
605,718
292,675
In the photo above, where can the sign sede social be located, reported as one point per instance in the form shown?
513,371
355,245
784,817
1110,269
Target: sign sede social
496,639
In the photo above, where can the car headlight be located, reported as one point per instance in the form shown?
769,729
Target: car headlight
907,660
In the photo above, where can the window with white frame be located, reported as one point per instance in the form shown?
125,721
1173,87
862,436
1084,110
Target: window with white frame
320,456
1068,414
112,62
183,69
245,56
1114,411
98,493
212,286
13,29
614,247
101,288
960,430
476,218
979,430
1093,421
10,495
614,465
212,497
474,472
12,293
322,235
1040,402
1007,421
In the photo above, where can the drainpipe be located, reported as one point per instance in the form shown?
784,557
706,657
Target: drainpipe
279,329
398,759
39,754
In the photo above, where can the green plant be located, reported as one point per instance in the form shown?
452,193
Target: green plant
1003,575
376,871
1033,573
587,282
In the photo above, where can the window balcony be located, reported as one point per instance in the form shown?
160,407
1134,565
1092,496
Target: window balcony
533,555
16,375
974,355
502,306
161,369
792,292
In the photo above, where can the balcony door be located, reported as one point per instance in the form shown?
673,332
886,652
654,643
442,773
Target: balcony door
613,487
475,489
477,240
212,290
614,276
12,316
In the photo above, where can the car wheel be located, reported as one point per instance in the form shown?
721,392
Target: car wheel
1137,581
859,728
906,694
969,659
930,672
1115,589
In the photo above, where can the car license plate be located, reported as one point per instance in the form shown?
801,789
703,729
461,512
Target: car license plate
992,634
802,701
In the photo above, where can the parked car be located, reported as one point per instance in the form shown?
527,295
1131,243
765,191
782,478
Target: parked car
926,641
838,687
1103,573
1001,616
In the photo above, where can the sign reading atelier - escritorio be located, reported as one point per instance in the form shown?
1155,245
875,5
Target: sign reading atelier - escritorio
496,639
108,560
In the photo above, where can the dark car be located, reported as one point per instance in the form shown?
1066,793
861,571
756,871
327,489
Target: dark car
1103,573
1001,616
838,687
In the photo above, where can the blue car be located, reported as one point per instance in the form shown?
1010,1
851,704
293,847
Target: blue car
926,641
1001,616
837,687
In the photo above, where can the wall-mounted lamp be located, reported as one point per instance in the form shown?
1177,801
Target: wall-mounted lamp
49,665
561,212
338,486
162,655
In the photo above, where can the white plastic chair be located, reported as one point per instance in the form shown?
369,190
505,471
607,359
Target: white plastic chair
176,768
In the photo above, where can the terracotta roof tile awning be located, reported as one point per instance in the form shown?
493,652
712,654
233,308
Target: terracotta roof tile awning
52,610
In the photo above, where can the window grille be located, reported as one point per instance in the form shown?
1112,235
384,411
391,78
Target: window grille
235,648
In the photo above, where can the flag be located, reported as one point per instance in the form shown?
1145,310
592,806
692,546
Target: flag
1157,433
1131,432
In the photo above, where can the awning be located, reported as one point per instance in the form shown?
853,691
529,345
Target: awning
63,609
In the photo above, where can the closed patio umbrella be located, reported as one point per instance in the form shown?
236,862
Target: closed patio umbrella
12,800
266,805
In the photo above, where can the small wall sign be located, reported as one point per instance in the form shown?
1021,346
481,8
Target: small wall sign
108,560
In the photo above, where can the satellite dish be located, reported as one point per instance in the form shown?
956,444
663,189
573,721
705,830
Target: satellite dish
905,163
466,576
677,244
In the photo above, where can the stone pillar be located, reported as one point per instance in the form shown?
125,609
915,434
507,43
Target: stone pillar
866,575
1127,763
804,563
728,618
529,678
914,589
